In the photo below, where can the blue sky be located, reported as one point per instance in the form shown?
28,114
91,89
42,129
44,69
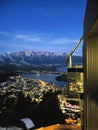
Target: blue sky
41,25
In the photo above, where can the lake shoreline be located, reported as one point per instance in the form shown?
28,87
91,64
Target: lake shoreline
47,77
57,70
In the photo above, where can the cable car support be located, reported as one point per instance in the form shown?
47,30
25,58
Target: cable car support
69,57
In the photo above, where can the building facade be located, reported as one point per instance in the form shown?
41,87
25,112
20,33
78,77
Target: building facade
90,64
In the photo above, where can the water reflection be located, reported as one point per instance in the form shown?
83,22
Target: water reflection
45,77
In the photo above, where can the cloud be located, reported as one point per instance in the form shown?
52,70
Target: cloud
21,36
34,39
63,41
45,39
41,38
42,41
31,38
5,33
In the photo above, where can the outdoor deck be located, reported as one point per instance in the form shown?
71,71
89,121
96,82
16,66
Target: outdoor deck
61,127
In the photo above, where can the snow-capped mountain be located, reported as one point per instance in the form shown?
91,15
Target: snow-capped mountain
31,58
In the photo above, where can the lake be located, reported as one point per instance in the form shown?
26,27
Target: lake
47,77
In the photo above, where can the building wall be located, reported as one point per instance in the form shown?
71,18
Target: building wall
91,14
91,84
90,64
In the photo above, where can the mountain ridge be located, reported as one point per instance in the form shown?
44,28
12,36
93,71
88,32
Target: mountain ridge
27,58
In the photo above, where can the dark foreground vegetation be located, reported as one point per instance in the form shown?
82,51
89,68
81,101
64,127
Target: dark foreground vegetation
3,77
44,113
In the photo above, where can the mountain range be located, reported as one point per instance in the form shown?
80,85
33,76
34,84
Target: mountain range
29,58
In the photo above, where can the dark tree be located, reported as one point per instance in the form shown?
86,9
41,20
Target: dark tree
48,111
